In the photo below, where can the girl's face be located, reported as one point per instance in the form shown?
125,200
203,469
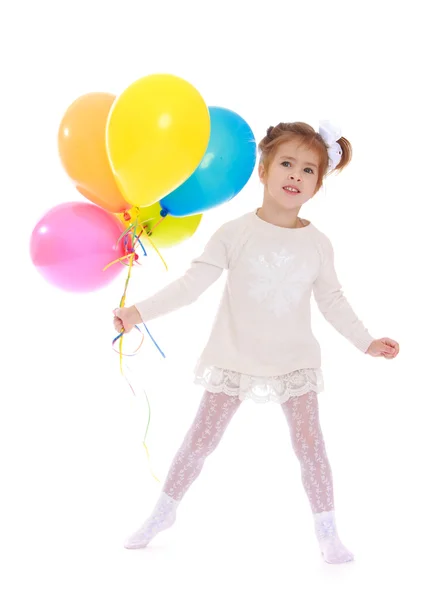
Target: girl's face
292,175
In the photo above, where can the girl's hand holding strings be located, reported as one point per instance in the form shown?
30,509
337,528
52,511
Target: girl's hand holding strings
126,318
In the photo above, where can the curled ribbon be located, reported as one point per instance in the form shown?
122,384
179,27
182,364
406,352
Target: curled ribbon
131,256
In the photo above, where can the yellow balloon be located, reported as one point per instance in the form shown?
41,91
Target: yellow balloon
170,232
157,133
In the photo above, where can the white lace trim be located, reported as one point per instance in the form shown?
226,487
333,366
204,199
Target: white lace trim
277,389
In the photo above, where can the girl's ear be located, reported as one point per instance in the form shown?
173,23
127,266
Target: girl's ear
262,173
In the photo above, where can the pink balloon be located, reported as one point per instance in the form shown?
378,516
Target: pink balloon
73,242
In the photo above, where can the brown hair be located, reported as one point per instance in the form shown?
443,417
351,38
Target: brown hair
311,140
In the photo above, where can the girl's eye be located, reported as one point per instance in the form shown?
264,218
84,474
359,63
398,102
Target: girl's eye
286,163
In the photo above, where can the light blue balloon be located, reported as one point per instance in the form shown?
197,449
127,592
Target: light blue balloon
224,170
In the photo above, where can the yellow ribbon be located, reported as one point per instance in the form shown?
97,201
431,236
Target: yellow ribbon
131,257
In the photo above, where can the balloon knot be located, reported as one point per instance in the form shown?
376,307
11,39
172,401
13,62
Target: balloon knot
164,212
126,216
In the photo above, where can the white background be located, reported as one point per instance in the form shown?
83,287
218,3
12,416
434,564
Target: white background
75,478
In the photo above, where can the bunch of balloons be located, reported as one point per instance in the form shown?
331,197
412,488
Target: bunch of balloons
150,161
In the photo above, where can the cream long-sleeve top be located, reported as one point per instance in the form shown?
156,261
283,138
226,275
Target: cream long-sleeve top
263,324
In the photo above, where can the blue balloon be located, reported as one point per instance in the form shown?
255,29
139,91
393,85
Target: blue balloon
224,170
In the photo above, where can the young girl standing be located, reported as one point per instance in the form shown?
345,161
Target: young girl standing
261,346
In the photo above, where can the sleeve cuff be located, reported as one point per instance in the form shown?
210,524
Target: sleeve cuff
364,343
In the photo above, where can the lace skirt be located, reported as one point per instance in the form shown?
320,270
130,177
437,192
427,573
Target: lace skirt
277,389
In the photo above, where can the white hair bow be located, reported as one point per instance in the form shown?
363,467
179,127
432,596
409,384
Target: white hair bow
330,134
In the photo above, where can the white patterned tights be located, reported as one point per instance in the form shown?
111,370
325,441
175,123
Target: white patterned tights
213,416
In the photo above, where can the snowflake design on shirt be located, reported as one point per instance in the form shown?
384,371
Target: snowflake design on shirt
277,281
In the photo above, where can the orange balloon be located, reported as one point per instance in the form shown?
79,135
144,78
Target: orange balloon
82,149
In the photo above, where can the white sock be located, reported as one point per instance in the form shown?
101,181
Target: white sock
162,517
333,550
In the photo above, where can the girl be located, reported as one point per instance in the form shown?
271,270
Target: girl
261,346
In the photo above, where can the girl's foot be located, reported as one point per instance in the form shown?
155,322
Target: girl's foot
333,550
162,517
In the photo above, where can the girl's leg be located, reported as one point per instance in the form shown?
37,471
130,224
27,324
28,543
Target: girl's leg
215,412
302,414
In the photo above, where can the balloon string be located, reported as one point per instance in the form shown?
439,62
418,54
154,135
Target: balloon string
138,347
142,246
146,433
119,338
157,224
147,426
131,257
145,229
149,233
122,304
155,248
124,234
136,238
154,341
118,260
